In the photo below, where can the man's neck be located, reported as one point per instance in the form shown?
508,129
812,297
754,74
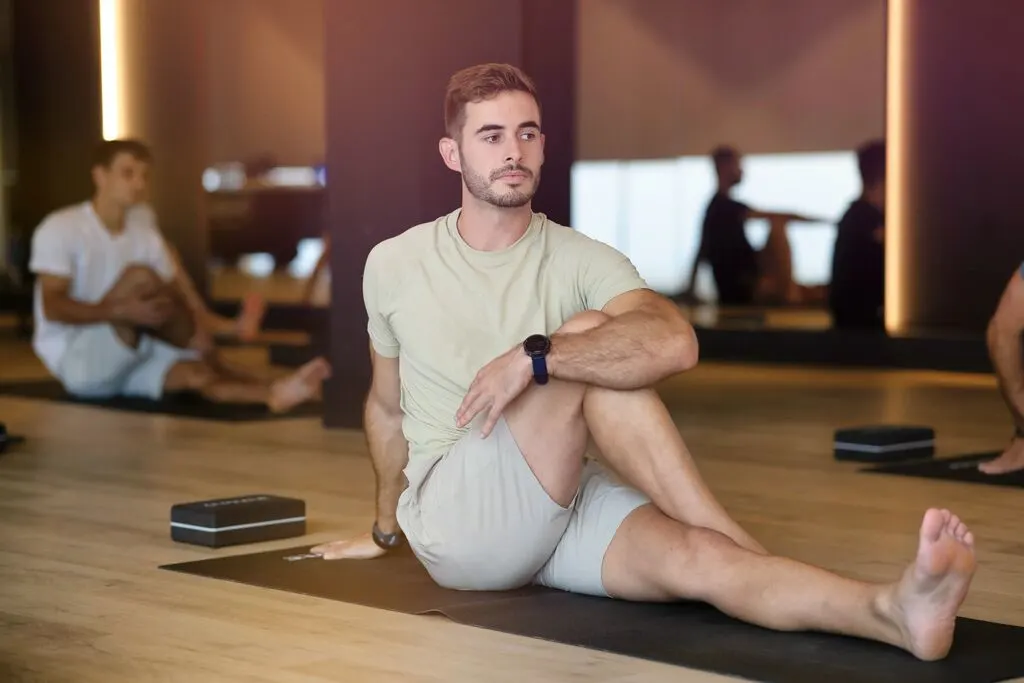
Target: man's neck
490,228
875,197
111,215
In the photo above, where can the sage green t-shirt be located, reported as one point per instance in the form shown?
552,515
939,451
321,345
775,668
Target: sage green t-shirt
445,310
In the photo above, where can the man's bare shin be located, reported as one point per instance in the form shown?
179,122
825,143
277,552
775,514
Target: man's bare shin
389,453
638,439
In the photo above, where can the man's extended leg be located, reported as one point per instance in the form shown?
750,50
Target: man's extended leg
654,558
635,434
168,370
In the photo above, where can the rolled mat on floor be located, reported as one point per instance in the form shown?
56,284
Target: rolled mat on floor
691,635
962,468
180,405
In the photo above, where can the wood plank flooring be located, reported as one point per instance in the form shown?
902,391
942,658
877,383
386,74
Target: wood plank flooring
84,510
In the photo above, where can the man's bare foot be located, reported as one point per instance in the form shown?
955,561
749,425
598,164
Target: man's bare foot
1011,460
926,599
298,387
250,318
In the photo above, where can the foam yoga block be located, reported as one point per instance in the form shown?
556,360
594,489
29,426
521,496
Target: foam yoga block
234,521
884,443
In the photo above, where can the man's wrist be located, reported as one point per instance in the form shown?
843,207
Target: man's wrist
536,354
387,539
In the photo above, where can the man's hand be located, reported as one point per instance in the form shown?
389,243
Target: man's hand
496,385
358,548
134,310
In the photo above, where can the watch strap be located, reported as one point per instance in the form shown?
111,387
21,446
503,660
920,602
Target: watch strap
540,369
386,541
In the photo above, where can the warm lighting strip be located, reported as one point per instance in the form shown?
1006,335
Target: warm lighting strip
896,226
112,67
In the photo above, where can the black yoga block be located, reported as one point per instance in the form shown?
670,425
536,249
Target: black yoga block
884,443
234,521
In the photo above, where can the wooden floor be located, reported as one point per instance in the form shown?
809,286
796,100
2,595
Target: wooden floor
84,509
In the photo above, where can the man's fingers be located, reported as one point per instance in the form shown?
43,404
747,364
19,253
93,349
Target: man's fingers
473,403
497,407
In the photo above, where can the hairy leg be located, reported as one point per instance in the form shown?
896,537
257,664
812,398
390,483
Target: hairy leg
633,431
279,395
654,558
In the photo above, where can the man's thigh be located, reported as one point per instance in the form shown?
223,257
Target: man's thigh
147,379
481,520
97,361
603,503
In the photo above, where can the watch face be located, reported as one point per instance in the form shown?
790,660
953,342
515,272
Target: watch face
536,344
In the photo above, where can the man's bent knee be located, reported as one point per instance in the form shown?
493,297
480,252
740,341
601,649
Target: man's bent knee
581,322
138,278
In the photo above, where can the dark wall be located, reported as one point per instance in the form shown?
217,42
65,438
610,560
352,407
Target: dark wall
388,64
56,106
965,157
166,76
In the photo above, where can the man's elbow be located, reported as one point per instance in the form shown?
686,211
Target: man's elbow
685,350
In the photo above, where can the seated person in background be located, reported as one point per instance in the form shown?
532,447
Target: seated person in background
1004,348
111,316
857,291
743,275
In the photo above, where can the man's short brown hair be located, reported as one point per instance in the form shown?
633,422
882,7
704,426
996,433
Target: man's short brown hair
108,150
479,83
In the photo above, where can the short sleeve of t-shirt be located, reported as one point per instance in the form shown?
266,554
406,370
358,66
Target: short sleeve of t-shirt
381,335
604,273
51,250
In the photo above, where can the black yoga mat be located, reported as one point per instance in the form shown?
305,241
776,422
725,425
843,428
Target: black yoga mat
963,468
178,405
690,635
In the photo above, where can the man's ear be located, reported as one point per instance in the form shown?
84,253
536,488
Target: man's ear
449,149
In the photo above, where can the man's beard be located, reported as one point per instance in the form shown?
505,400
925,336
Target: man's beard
480,187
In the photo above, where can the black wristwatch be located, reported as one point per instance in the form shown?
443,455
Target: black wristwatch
537,347
386,541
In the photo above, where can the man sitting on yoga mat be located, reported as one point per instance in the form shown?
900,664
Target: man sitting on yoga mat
1005,351
113,316
500,343
743,275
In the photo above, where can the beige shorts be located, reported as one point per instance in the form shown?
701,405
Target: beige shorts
480,520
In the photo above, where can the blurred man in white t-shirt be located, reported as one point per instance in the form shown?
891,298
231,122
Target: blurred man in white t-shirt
112,316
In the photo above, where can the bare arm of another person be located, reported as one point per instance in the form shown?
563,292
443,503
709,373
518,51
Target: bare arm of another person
782,216
59,306
389,453
1004,345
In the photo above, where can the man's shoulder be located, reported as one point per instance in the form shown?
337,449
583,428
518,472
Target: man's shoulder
411,243
568,240
65,219
861,214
